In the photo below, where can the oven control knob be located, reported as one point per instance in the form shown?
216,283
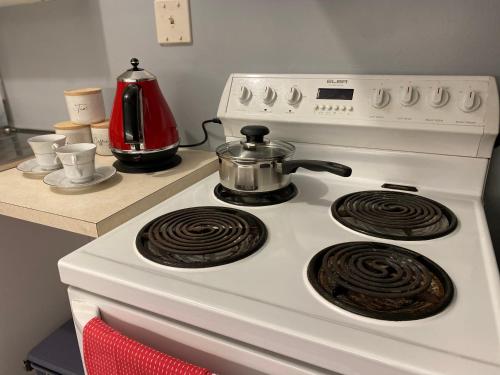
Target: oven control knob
294,96
470,101
438,97
245,94
408,96
380,98
269,95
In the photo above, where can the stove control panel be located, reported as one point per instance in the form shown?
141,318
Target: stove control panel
443,100
423,103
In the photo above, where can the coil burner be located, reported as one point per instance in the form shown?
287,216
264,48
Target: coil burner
255,199
394,215
380,281
201,237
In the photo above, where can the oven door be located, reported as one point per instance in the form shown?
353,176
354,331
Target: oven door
220,354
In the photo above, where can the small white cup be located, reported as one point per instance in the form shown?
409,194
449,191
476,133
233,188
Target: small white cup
44,147
78,161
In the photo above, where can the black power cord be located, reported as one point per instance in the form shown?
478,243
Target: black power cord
203,126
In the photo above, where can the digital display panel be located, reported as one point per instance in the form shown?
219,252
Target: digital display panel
338,94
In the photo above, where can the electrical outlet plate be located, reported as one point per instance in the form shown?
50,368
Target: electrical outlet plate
173,23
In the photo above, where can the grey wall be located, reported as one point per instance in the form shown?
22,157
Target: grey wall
48,47
34,302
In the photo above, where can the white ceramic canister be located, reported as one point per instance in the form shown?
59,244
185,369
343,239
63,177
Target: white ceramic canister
100,136
85,106
74,133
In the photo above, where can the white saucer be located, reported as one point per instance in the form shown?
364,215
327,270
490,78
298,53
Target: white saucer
58,178
31,167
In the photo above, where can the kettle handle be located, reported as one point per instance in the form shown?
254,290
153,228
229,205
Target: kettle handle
132,118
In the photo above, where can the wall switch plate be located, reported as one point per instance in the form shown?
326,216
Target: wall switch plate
173,22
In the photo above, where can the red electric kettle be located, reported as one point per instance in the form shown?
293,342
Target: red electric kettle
142,130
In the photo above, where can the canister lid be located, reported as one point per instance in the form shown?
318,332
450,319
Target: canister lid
255,147
84,91
135,74
68,125
100,125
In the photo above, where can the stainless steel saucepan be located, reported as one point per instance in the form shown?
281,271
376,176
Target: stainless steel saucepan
257,165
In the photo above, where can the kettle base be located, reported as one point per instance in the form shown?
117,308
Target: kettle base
147,167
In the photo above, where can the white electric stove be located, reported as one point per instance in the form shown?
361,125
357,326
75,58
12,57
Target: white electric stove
430,136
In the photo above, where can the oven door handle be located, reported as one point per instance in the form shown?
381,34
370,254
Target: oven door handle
83,312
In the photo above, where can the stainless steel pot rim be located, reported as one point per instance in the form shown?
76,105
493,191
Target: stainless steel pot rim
269,151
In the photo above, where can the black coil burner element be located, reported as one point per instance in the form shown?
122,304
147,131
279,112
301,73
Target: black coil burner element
255,199
380,281
394,215
201,237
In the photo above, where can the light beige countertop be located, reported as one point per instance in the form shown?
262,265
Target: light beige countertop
97,210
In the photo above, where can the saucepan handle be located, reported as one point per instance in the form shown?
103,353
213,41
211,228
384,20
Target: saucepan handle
291,166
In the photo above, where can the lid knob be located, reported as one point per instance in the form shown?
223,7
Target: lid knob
135,63
255,133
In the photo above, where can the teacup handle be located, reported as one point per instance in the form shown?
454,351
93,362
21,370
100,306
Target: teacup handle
54,147
74,160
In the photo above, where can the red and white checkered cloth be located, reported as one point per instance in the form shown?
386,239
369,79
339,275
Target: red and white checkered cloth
107,352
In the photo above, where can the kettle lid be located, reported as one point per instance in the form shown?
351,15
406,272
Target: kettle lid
135,74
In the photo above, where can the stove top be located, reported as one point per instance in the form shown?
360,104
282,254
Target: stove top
266,299
201,237
380,281
394,215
